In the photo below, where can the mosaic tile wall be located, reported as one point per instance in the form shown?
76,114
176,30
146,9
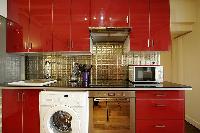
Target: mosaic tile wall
109,61
60,66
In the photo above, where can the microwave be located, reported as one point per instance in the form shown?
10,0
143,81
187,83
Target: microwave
146,74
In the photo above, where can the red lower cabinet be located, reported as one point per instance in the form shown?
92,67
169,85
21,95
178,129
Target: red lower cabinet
160,111
160,126
31,118
11,111
20,111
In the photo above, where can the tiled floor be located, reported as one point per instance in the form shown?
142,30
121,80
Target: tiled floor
191,129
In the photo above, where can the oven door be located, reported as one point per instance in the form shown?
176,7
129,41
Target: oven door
112,115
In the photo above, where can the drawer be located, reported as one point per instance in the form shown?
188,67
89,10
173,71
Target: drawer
160,94
160,109
160,126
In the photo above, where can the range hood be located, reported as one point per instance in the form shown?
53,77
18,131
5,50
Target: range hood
109,34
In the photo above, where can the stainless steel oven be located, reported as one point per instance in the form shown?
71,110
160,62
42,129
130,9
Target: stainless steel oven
111,112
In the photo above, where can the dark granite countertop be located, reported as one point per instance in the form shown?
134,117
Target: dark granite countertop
103,85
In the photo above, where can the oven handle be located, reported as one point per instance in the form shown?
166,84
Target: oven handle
111,99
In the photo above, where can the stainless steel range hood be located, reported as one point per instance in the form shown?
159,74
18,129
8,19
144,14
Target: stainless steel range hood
109,34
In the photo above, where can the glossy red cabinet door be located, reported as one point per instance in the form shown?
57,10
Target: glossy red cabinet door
11,111
160,25
31,111
80,40
160,109
18,14
61,25
14,37
109,13
40,33
160,126
139,20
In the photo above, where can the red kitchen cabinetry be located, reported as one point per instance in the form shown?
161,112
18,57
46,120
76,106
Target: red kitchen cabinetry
109,13
17,25
35,19
11,111
20,111
80,16
160,126
40,28
70,25
150,20
61,25
160,111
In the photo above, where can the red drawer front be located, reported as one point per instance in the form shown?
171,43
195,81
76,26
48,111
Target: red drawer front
160,94
160,126
159,109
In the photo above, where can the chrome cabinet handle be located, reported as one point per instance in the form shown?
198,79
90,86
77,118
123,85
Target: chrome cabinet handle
160,105
72,43
148,43
152,43
30,47
68,44
159,126
25,45
22,96
160,95
18,96
127,19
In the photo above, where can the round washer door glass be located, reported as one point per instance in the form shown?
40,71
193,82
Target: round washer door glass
60,121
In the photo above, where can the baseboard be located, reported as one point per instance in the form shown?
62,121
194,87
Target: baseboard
192,121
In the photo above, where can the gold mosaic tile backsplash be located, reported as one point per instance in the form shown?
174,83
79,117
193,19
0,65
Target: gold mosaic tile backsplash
109,61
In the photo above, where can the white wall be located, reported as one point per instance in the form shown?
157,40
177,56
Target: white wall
185,68
3,8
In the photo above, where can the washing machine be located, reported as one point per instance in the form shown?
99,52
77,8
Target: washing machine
64,112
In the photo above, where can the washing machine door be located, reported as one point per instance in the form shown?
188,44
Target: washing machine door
61,119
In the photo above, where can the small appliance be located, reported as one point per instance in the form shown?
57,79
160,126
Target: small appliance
145,74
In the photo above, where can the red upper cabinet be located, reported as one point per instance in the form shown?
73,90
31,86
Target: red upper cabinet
150,23
139,20
17,25
14,37
11,111
40,32
80,15
35,19
109,13
61,25
160,25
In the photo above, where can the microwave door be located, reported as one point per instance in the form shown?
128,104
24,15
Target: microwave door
145,74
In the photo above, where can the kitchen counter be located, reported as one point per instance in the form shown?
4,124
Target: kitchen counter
103,85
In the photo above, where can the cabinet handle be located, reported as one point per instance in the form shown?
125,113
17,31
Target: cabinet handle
160,95
18,96
30,47
160,105
22,96
148,43
152,43
68,44
159,126
25,45
127,19
72,44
